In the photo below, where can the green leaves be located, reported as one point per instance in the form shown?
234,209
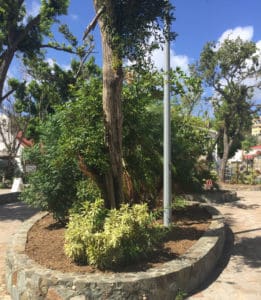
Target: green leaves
131,24
109,238
231,69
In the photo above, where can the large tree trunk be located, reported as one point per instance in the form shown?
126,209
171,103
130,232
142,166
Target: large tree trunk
226,148
112,109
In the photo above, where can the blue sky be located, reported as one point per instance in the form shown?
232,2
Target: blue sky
197,22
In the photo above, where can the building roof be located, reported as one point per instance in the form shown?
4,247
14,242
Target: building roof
256,147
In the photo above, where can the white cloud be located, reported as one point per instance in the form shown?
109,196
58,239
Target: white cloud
66,67
258,45
74,17
34,8
158,58
258,50
50,62
257,95
245,33
181,61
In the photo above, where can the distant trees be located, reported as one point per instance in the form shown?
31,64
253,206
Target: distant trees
26,36
232,69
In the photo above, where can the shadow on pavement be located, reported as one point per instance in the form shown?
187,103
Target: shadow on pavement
244,206
16,211
250,250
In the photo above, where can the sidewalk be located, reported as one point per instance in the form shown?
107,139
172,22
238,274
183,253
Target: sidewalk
11,216
238,275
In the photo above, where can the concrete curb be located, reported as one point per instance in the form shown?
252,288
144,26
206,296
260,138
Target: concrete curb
28,280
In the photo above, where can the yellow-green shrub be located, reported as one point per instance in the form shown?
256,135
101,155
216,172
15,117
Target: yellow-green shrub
110,238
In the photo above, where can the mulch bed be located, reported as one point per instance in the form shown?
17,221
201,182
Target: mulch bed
45,242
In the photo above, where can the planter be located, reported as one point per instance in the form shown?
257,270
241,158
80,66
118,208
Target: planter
27,280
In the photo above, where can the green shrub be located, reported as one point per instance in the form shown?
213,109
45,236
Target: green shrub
87,189
53,185
179,202
110,238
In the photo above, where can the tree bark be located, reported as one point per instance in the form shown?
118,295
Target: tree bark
112,109
5,61
226,148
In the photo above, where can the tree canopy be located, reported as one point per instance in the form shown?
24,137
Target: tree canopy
26,36
233,70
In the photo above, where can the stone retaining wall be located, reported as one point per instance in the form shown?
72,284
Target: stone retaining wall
26,280
221,196
9,198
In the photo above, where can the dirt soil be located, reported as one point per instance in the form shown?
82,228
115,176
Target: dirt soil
45,243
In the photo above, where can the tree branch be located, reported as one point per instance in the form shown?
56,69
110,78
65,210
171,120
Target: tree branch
27,28
93,23
6,95
59,48
84,60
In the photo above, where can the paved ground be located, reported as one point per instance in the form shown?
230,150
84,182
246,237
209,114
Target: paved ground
11,216
238,275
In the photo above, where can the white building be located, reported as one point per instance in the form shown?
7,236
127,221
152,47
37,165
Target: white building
11,140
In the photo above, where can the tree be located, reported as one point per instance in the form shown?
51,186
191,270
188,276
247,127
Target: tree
126,27
27,36
12,124
188,90
231,69
72,149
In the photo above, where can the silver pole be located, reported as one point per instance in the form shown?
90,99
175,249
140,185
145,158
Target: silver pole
167,190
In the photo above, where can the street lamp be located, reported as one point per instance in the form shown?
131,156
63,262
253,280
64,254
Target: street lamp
167,190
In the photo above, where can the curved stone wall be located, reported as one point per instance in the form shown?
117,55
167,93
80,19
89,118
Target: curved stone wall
27,280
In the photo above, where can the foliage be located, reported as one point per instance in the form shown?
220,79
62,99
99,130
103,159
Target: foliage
130,25
127,30
87,189
186,90
179,202
71,137
26,37
248,142
109,238
143,132
53,185
230,69
190,140
49,86
72,150
141,136
180,295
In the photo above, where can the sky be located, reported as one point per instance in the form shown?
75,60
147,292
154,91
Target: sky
197,22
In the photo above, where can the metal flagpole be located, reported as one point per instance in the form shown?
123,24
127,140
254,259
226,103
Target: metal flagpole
167,190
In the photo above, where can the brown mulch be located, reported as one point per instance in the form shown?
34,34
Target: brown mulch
45,242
